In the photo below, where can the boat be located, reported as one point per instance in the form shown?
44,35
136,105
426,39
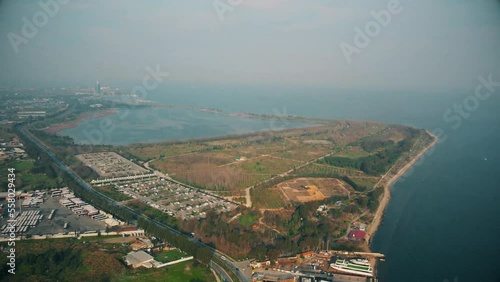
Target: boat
360,261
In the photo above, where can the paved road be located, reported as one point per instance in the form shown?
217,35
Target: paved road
22,132
222,273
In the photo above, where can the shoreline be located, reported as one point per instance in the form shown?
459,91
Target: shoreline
379,214
82,117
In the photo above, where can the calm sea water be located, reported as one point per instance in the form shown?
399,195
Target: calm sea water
143,125
443,221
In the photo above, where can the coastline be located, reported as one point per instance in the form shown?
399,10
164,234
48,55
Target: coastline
79,119
379,214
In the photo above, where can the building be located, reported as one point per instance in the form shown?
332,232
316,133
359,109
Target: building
316,278
90,210
98,87
256,264
357,235
141,243
139,259
26,114
306,255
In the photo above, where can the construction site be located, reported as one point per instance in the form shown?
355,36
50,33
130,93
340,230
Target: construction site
313,189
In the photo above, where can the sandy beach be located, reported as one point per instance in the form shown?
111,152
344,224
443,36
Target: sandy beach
377,219
81,118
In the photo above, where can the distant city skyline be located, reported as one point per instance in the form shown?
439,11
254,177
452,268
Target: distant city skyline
426,45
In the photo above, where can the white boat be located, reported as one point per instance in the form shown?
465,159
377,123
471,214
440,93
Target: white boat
361,261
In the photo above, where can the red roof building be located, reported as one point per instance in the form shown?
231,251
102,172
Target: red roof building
356,235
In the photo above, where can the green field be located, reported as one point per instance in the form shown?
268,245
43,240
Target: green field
184,271
232,164
25,178
247,219
169,256
367,182
267,198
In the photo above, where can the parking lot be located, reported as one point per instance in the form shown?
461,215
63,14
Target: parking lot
175,199
56,224
110,164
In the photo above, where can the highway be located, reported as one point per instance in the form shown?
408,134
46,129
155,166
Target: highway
22,132
222,273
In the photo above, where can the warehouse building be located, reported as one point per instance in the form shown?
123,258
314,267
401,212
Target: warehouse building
139,259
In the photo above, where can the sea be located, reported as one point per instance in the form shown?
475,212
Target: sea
443,220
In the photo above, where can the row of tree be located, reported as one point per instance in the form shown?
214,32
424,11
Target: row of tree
375,164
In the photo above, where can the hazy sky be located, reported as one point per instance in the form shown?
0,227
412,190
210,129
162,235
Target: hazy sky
430,44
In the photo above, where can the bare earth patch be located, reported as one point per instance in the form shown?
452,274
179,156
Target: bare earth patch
313,189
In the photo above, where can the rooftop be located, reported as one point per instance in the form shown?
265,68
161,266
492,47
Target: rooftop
139,257
357,234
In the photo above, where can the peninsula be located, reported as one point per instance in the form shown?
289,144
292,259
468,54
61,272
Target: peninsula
264,195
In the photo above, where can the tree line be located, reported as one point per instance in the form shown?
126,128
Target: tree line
375,164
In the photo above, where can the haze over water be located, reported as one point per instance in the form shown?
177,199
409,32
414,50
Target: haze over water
442,220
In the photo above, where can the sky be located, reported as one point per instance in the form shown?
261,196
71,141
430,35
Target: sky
426,44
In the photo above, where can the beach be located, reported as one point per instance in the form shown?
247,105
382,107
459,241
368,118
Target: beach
79,119
377,219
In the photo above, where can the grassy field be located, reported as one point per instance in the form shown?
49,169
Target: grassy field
169,256
368,182
157,150
184,271
267,198
25,178
234,164
267,165
247,219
